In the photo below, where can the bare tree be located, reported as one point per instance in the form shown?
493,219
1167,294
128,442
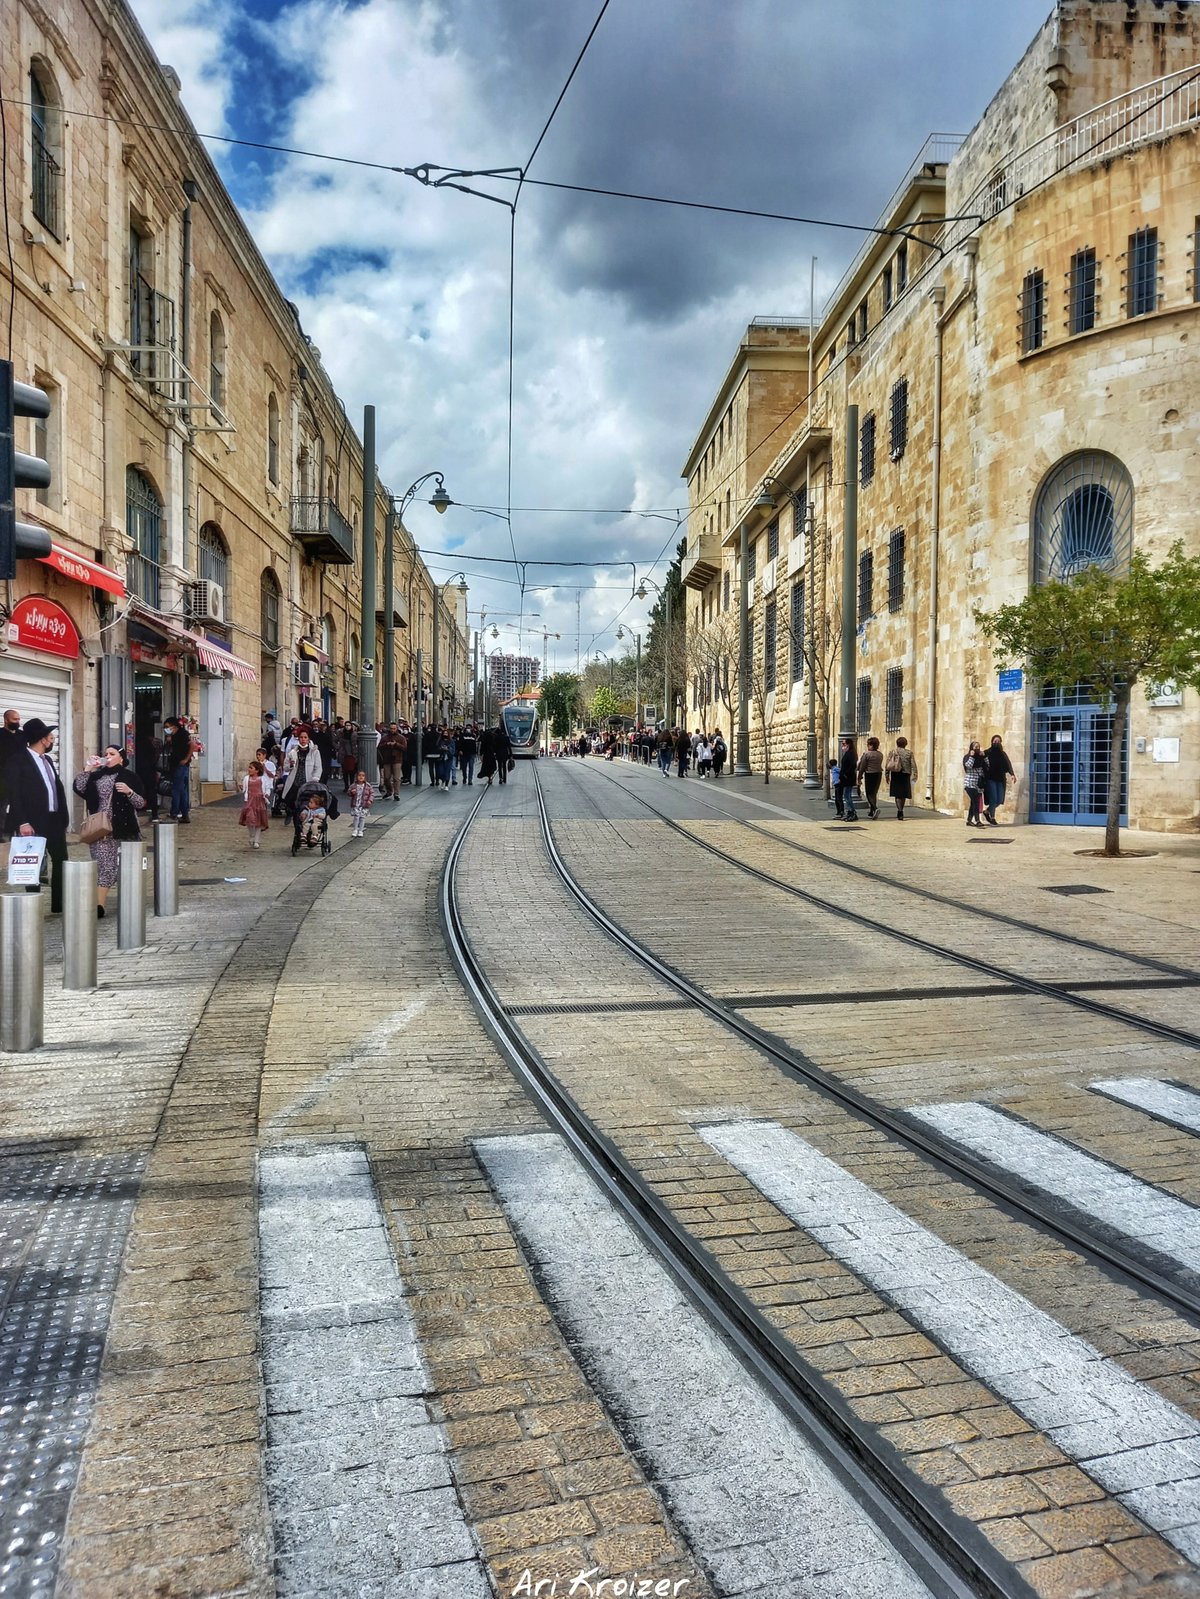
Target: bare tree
819,646
712,657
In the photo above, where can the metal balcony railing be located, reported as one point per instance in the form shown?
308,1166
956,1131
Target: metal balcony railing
143,578
323,530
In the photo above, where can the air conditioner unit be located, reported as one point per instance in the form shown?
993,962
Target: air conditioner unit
306,674
204,601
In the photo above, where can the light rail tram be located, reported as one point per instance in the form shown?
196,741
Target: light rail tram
522,723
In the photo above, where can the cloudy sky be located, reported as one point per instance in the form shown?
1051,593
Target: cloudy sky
626,315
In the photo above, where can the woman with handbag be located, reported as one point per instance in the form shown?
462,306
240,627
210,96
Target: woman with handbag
113,796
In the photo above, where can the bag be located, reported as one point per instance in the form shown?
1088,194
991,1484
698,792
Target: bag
96,827
331,810
511,764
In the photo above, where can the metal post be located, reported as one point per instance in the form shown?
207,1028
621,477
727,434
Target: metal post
131,886
848,718
419,719
79,922
21,971
436,669
670,712
366,691
637,693
475,685
389,615
166,869
741,759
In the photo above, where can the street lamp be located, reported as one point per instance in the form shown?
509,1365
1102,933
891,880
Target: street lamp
437,606
802,504
665,594
395,518
637,682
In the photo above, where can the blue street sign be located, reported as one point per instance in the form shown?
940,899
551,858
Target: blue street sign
1012,680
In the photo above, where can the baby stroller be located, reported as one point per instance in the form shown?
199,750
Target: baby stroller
310,833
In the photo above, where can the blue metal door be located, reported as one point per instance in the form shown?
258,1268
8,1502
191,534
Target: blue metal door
1071,758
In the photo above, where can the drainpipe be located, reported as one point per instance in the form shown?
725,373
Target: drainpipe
942,316
192,190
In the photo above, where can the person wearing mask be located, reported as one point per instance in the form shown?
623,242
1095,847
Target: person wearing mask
973,783
843,793
111,790
179,763
322,737
387,757
901,768
37,801
997,775
683,752
870,773
468,749
302,764
12,746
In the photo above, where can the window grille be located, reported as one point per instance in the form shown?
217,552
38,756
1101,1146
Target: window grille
773,539
1142,267
725,590
866,449
800,514
143,524
887,288
894,708
863,705
1083,517
797,654
752,560
216,363
46,127
899,407
1033,312
212,557
866,584
896,569
770,641
901,269
269,610
1081,298
862,322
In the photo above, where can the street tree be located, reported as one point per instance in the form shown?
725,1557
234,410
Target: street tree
1112,631
712,656
665,649
560,702
819,643
605,705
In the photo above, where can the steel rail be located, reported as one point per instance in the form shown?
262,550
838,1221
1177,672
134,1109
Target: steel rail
1021,1200
946,1550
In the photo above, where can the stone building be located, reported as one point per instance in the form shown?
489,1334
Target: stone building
206,505
1026,394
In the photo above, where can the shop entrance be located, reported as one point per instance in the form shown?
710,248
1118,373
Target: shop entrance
1071,759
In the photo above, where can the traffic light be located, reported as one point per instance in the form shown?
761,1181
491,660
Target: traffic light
19,540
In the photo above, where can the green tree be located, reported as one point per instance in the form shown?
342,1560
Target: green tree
1111,630
605,703
662,649
560,700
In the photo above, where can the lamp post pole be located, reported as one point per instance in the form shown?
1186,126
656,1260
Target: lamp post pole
366,686
812,777
849,573
389,615
741,759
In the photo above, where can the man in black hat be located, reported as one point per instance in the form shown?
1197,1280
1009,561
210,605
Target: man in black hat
37,801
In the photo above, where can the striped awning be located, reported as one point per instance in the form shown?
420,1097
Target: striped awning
221,660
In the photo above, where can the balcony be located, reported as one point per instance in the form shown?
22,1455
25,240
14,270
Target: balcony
701,561
322,530
399,611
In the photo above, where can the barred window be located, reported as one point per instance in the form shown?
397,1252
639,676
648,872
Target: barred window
800,510
212,555
752,559
899,407
894,708
1081,296
769,646
773,539
269,594
797,632
901,269
1142,266
863,703
887,288
862,321
866,449
1033,312
46,126
866,584
143,524
725,590
896,569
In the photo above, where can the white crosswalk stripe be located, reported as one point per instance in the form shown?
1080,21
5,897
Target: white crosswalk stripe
1164,1100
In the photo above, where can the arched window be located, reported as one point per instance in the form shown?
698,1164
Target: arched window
212,556
45,115
216,364
269,613
1083,516
355,656
328,634
143,524
272,438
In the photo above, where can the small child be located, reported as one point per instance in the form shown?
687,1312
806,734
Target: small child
255,812
312,816
361,795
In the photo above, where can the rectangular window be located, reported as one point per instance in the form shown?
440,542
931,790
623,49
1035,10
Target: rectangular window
862,321
1081,295
901,270
866,585
863,706
46,434
894,709
887,288
752,560
769,646
800,514
1033,312
1142,267
773,539
866,449
896,569
899,407
725,591
797,632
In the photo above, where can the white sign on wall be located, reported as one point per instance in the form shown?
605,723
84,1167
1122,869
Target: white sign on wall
1166,749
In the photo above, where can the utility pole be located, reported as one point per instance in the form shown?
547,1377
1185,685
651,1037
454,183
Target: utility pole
437,687
389,615
667,653
849,575
366,691
419,718
741,759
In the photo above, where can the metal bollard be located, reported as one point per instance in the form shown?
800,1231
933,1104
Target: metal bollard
166,869
131,886
21,971
79,924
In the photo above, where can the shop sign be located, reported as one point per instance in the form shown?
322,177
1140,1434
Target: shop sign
147,655
39,624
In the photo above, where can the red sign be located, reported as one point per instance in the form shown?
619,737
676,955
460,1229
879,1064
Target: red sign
81,570
39,624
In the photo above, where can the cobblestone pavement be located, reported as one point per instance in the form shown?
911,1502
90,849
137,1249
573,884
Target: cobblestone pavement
267,1326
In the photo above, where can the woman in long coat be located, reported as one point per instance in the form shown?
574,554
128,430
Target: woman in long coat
487,755
110,787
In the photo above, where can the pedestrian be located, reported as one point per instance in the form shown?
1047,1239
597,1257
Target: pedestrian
665,751
468,749
180,750
683,753
302,764
269,768
388,757
502,744
487,756
431,748
322,737
973,783
37,804
847,769
361,796
348,755
449,766
255,814
901,769
312,818
147,760
719,752
703,752
870,774
997,775
272,731
12,747
113,793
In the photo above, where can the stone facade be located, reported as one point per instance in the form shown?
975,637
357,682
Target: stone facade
195,433
1048,338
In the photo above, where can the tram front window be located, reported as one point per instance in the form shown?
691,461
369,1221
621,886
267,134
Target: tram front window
519,725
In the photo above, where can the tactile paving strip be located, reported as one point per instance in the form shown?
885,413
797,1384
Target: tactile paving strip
63,1222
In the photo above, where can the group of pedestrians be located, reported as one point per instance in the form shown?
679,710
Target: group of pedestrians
986,776
852,772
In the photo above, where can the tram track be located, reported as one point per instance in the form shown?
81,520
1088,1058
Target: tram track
948,1551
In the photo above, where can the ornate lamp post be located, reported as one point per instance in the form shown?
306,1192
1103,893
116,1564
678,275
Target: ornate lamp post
395,518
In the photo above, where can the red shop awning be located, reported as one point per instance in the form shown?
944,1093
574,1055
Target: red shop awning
81,570
219,660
